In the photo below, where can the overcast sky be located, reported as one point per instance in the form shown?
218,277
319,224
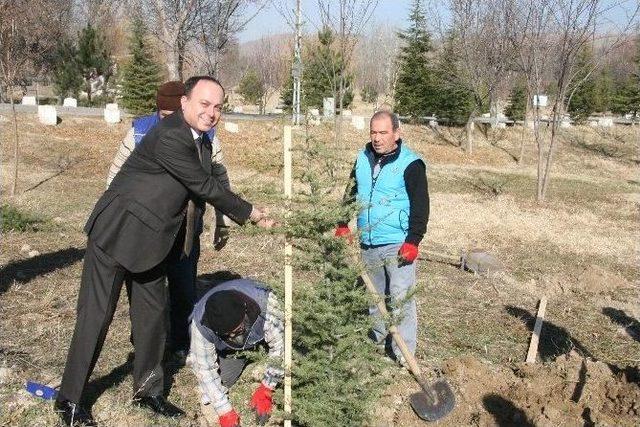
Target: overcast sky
393,13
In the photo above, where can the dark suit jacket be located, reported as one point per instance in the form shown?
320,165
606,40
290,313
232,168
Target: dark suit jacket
137,219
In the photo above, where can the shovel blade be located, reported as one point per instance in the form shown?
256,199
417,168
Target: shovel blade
433,408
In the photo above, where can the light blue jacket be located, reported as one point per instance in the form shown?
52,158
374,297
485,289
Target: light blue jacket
384,218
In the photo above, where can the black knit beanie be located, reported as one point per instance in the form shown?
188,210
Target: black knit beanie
224,311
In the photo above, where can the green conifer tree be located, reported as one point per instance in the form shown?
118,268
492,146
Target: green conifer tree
141,75
67,76
582,103
323,65
93,56
337,369
517,102
626,98
414,93
604,89
251,88
451,100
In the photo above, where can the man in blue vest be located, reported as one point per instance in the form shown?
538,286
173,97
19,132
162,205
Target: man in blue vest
231,317
389,182
181,270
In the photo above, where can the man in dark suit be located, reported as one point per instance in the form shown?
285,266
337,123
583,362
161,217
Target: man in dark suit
148,210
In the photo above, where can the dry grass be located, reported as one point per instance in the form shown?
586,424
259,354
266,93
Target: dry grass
484,200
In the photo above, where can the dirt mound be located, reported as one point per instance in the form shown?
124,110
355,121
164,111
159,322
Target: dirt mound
572,391
597,280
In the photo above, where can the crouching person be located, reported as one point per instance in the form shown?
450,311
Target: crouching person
233,316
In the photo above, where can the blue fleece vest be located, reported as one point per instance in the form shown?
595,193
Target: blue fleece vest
144,124
250,288
384,217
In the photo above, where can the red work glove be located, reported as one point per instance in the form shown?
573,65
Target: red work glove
262,403
408,252
229,419
343,231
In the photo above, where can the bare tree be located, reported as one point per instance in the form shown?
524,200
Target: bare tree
375,63
347,19
24,46
486,55
548,35
269,59
196,32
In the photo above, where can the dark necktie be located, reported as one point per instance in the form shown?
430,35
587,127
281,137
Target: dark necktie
191,211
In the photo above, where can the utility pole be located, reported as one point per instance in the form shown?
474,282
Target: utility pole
296,69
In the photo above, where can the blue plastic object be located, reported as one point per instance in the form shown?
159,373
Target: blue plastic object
41,390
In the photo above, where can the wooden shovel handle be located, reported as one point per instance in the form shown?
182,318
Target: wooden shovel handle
411,360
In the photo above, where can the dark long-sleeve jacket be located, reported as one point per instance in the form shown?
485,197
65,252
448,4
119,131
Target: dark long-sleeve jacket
137,219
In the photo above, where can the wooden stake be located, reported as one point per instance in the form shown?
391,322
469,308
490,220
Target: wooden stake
288,280
535,337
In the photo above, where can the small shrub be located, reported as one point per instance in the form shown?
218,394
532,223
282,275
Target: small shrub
14,220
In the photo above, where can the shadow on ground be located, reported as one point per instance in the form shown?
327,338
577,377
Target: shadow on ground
505,413
554,340
25,270
631,326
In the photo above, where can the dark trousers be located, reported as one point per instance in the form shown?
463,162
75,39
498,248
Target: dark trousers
231,366
181,275
182,272
102,279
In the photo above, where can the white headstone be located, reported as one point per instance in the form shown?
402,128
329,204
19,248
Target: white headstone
28,100
530,124
237,109
70,102
111,113
593,123
314,112
231,127
605,122
486,115
314,121
358,122
47,115
329,107
433,123
277,111
346,113
565,124
540,100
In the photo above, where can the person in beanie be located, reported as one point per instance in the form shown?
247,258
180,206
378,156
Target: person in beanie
233,316
181,270
389,181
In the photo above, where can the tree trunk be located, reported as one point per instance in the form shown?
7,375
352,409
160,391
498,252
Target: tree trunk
338,117
525,129
173,69
88,87
14,184
547,169
540,145
469,132
181,46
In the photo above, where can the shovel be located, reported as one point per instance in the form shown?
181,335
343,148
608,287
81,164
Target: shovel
435,400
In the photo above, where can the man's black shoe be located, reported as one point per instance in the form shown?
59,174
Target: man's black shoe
73,414
159,405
